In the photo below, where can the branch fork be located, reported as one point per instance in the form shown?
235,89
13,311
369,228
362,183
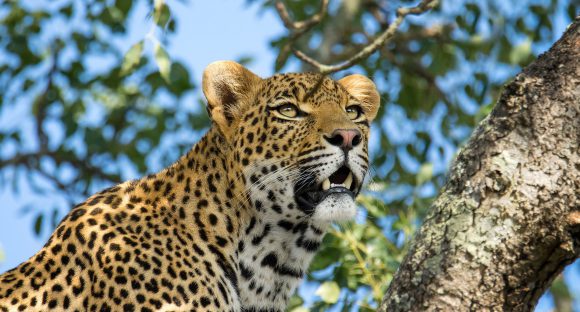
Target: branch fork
297,29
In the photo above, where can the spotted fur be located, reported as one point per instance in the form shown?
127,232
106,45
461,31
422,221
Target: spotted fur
220,229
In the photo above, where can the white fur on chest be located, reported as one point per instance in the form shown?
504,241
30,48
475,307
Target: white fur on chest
278,245
274,267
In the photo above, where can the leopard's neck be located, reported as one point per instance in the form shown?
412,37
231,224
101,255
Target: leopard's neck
273,259
268,252
277,245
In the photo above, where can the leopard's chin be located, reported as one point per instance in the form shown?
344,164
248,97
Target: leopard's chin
332,200
337,207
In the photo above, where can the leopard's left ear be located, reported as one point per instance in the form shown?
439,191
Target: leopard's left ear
228,87
365,91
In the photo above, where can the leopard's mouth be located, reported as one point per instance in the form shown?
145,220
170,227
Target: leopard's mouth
308,194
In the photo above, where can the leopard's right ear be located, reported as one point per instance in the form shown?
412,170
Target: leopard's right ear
228,86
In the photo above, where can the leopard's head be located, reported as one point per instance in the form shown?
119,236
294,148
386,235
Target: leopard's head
300,141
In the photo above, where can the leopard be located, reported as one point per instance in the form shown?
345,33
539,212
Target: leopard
234,223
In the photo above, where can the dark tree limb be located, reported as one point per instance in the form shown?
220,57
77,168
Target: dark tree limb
507,221
31,161
43,99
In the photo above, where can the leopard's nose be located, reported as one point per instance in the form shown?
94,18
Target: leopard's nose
345,138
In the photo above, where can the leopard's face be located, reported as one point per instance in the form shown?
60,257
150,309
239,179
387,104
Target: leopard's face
304,143
301,142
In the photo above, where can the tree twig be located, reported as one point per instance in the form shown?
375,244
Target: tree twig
43,100
300,27
388,33
30,159
296,28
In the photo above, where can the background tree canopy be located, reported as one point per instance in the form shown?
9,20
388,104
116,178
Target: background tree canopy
84,112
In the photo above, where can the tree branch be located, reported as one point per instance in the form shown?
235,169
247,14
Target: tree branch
388,33
300,27
28,159
506,222
297,29
43,99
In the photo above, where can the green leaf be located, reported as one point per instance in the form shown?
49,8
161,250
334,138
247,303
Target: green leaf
179,79
560,289
124,6
329,292
521,52
483,111
161,13
572,10
2,255
282,57
245,60
425,173
67,10
38,224
132,58
54,218
325,257
296,304
163,62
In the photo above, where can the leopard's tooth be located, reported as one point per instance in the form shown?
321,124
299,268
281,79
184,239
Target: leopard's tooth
326,185
348,181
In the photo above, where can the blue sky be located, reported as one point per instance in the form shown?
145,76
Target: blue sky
207,31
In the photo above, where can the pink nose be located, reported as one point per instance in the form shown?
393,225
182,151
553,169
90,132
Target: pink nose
345,138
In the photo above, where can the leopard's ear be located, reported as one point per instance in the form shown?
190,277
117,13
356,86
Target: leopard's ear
365,91
227,87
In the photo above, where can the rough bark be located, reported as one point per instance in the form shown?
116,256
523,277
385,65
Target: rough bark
508,220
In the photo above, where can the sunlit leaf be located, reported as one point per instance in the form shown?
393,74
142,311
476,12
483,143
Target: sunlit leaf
161,13
425,173
520,52
132,58
329,292
163,62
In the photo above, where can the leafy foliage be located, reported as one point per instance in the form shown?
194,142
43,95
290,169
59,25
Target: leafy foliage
104,108
108,105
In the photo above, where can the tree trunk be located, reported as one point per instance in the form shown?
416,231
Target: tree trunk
507,221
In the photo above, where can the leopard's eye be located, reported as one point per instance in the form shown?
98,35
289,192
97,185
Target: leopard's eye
288,110
354,112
